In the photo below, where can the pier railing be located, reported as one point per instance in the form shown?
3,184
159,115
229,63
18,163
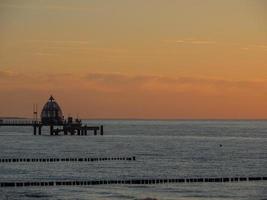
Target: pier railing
18,122
71,128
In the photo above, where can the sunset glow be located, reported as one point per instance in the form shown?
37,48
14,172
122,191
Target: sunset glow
159,59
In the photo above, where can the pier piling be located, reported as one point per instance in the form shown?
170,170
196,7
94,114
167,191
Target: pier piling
34,129
51,130
40,130
101,130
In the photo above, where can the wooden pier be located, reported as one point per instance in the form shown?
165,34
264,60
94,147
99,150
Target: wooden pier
66,128
52,117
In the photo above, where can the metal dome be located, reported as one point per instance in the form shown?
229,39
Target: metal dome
52,113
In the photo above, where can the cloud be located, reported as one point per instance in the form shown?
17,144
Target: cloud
123,82
126,79
193,41
40,5
63,47
119,78
180,41
139,95
75,42
4,74
202,42
262,46
44,54
255,47
18,79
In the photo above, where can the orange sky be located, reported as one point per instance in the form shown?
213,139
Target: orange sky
135,59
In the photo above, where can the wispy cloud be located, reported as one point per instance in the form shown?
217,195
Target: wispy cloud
262,46
193,42
7,74
254,47
124,82
40,5
61,47
44,54
244,48
120,78
202,42
69,42
190,41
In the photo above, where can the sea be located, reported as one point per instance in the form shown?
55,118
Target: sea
163,149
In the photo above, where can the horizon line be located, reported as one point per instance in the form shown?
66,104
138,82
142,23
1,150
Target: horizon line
154,119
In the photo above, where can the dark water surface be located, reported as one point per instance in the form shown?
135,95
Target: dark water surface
163,149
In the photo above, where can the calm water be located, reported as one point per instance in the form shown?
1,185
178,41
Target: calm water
167,149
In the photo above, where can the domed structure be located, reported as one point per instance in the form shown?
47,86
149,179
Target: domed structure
52,113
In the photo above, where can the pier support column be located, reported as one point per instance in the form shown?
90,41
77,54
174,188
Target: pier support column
34,129
101,130
85,130
56,131
78,131
65,131
95,131
40,130
72,131
51,130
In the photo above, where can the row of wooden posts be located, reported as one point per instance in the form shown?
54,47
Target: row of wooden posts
128,182
16,160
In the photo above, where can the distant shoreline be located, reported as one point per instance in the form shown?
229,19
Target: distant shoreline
15,118
140,119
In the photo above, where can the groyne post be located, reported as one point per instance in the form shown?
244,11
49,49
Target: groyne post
51,129
85,130
65,130
34,129
101,130
40,130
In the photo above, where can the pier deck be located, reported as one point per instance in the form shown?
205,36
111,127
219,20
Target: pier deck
73,128
17,123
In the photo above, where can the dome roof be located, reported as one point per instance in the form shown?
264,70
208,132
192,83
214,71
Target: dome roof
51,113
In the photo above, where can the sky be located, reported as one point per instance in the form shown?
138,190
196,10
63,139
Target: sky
135,59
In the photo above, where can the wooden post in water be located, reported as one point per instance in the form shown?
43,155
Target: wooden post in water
65,130
95,131
34,129
72,131
101,130
85,130
40,130
51,129
56,131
